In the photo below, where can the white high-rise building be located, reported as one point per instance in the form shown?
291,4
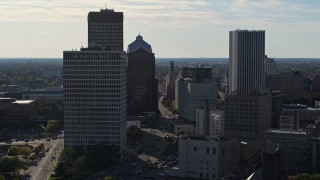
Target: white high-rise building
215,126
270,66
246,60
94,98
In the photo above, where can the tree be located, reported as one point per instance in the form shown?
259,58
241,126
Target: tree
60,169
25,150
2,178
82,165
68,156
133,134
52,126
10,164
13,151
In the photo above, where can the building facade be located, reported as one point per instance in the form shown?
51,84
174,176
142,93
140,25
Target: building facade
94,98
246,61
142,92
206,158
17,111
215,125
270,66
170,82
247,116
105,29
300,149
192,95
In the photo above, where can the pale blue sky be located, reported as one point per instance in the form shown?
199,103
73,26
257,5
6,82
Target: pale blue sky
174,28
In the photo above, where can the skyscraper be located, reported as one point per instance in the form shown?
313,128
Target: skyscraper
95,109
105,28
142,84
246,60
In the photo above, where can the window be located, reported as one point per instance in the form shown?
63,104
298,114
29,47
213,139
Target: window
194,148
214,151
208,150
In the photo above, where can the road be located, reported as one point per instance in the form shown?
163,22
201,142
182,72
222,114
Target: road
45,167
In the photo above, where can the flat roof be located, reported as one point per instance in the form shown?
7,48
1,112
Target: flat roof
23,101
287,131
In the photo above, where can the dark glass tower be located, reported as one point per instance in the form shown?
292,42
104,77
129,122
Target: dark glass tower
142,86
105,28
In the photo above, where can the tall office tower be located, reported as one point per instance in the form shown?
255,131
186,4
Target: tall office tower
142,94
270,66
246,61
94,98
195,87
95,109
170,82
105,28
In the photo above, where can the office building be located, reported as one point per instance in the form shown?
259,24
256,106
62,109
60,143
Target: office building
170,82
17,111
300,149
247,115
212,126
206,158
105,29
94,98
290,84
276,108
246,61
142,92
195,86
270,66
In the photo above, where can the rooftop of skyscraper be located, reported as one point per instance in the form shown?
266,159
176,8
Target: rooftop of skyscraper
139,43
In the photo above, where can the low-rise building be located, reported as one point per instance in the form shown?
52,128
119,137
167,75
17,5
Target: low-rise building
17,111
133,121
300,149
206,158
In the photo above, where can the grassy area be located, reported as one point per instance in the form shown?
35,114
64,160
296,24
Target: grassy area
131,146
170,149
53,178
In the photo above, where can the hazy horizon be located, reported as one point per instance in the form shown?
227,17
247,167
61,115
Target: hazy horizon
174,28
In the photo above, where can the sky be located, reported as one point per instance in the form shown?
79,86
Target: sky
174,28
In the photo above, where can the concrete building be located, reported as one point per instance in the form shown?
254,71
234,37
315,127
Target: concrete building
246,61
133,121
298,115
17,111
276,108
194,88
270,66
142,91
215,125
300,149
95,109
170,82
206,158
105,29
192,95
247,115
291,85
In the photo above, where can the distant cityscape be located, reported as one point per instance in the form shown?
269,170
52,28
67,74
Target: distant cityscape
104,113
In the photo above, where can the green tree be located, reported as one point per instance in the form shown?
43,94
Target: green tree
52,126
2,178
133,134
60,169
13,151
68,156
10,164
25,150
82,165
